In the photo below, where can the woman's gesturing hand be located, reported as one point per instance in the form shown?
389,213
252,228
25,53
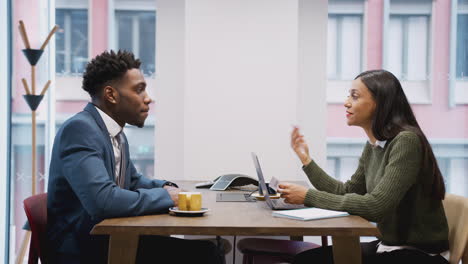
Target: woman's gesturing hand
299,146
292,193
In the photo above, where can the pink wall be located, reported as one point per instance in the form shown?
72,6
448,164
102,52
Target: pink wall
374,34
437,119
70,107
99,27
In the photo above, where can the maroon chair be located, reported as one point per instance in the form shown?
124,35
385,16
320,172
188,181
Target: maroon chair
267,250
36,211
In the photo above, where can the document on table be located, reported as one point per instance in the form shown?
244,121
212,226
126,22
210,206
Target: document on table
306,214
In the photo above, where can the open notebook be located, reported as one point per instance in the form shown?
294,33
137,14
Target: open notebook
306,214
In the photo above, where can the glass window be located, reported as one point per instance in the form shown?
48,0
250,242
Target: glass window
71,41
344,46
462,46
408,46
136,33
21,150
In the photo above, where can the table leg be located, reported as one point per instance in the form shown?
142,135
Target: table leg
122,248
346,249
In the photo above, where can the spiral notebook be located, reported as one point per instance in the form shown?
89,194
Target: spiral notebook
306,214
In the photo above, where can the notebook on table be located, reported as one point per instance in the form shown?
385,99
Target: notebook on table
306,214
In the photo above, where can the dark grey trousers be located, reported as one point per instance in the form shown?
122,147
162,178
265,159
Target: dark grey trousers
324,255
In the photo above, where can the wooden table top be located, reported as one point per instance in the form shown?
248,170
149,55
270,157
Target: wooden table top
234,218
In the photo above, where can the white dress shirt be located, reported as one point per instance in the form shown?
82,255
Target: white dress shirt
114,129
378,143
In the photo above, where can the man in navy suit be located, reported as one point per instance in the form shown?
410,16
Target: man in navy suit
91,176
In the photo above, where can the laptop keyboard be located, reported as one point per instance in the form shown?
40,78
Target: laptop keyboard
234,197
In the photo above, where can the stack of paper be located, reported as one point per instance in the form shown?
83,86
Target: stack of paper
306,214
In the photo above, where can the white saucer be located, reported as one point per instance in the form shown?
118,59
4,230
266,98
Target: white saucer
178,212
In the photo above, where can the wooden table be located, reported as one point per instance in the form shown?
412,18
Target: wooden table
233,218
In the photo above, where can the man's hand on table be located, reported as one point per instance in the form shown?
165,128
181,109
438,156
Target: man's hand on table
174,193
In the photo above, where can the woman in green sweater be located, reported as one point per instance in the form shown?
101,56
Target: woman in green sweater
397,184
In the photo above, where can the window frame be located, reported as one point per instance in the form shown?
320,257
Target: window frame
405,28
135,6
67,81
418,92
339,59
68,42
337,88
135,31
458,88
465,13
5,116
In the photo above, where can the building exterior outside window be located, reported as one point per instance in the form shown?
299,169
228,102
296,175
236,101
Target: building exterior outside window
415,50
136,33
345,45
82,35
408,46
71,41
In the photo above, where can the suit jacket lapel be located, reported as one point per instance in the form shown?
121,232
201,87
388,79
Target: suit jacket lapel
97,117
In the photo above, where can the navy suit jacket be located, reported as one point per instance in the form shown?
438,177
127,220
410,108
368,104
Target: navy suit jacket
82,189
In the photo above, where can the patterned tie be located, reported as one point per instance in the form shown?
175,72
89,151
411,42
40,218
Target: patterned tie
123,159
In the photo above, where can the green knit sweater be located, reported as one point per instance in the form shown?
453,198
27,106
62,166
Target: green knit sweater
387,189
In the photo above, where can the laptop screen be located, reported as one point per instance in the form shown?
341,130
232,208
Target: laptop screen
262,188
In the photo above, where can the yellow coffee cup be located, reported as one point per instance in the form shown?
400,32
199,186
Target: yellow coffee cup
184,200
195,201
190,201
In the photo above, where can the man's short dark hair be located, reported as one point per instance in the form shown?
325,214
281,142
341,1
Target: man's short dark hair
106,69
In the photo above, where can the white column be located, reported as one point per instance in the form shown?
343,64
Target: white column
169,90
50,95
232,77
241,86
312,76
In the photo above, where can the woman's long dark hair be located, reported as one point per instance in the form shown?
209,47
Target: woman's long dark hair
393,114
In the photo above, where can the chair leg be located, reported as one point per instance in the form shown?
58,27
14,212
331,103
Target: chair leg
324,241
219,244
248,259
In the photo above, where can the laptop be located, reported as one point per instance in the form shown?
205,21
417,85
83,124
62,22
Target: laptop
274,204
234,197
